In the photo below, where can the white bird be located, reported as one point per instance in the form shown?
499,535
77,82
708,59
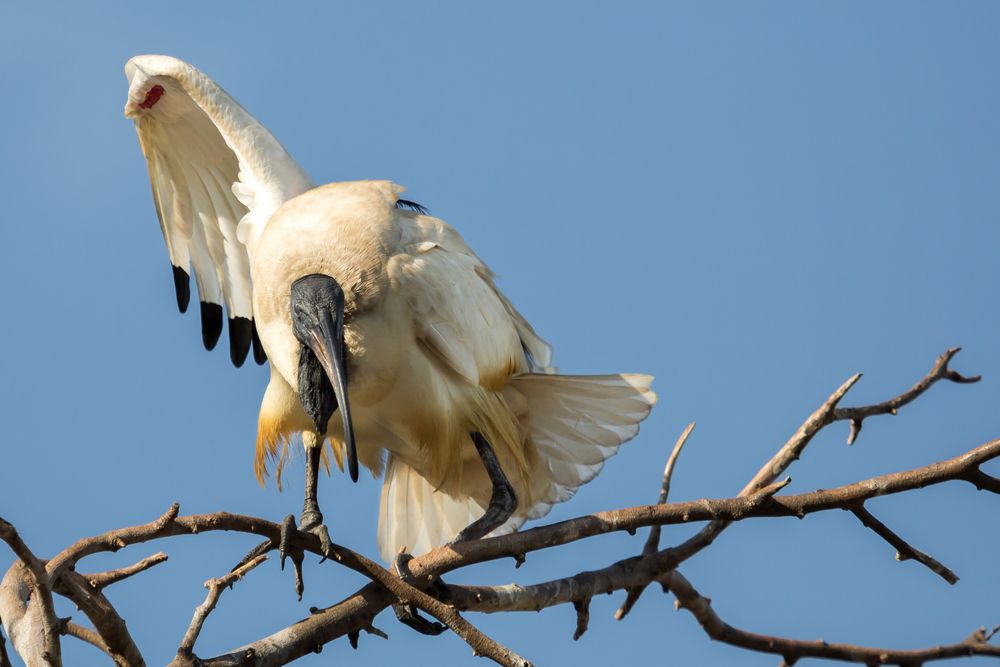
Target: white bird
367,306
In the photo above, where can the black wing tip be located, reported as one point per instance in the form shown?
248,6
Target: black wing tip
211,324
182,287
407,205
240,335
259,356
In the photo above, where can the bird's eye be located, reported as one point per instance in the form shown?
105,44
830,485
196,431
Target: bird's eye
152,97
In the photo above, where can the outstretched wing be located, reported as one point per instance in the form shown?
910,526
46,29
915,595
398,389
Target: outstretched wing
217,176
460,314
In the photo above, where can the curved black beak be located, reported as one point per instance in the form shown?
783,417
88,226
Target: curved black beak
318,321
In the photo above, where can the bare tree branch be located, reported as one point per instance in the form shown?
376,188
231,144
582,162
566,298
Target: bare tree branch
86,635
356,613
791,650
41,641
904,550
102,580
940,371
112,541
185,651
107,622
653,541
408,594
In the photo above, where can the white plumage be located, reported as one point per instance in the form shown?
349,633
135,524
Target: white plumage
434,351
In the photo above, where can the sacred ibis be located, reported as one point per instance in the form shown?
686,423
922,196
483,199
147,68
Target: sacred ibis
368,307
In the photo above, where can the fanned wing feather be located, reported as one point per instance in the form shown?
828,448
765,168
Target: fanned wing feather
462,317
217,175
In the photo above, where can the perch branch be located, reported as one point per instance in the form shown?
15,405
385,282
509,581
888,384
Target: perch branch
358,611
481,644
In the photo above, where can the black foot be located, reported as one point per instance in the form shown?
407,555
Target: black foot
407,614
312,522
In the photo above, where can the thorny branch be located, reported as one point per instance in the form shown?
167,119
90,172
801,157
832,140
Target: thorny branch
356,613
940,371
215,588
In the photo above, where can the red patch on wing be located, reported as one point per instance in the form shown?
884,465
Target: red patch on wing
152,97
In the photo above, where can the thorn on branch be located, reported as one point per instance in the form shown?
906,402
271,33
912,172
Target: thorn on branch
582,617
855,431
167,518
983,481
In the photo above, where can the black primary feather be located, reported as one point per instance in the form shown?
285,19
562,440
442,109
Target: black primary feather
240,335
211,324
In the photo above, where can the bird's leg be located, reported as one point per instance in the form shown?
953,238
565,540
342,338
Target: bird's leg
310,522
312,518
503,501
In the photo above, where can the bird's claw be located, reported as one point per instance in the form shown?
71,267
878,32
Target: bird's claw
325,544
410,617
297,566
287,530
312,522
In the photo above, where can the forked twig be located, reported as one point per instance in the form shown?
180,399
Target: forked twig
653,541
215,588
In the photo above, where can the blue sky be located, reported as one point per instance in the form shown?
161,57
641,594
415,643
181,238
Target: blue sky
751,201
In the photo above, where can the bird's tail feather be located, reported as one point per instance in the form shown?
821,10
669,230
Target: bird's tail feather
571,425
576,422
416,516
